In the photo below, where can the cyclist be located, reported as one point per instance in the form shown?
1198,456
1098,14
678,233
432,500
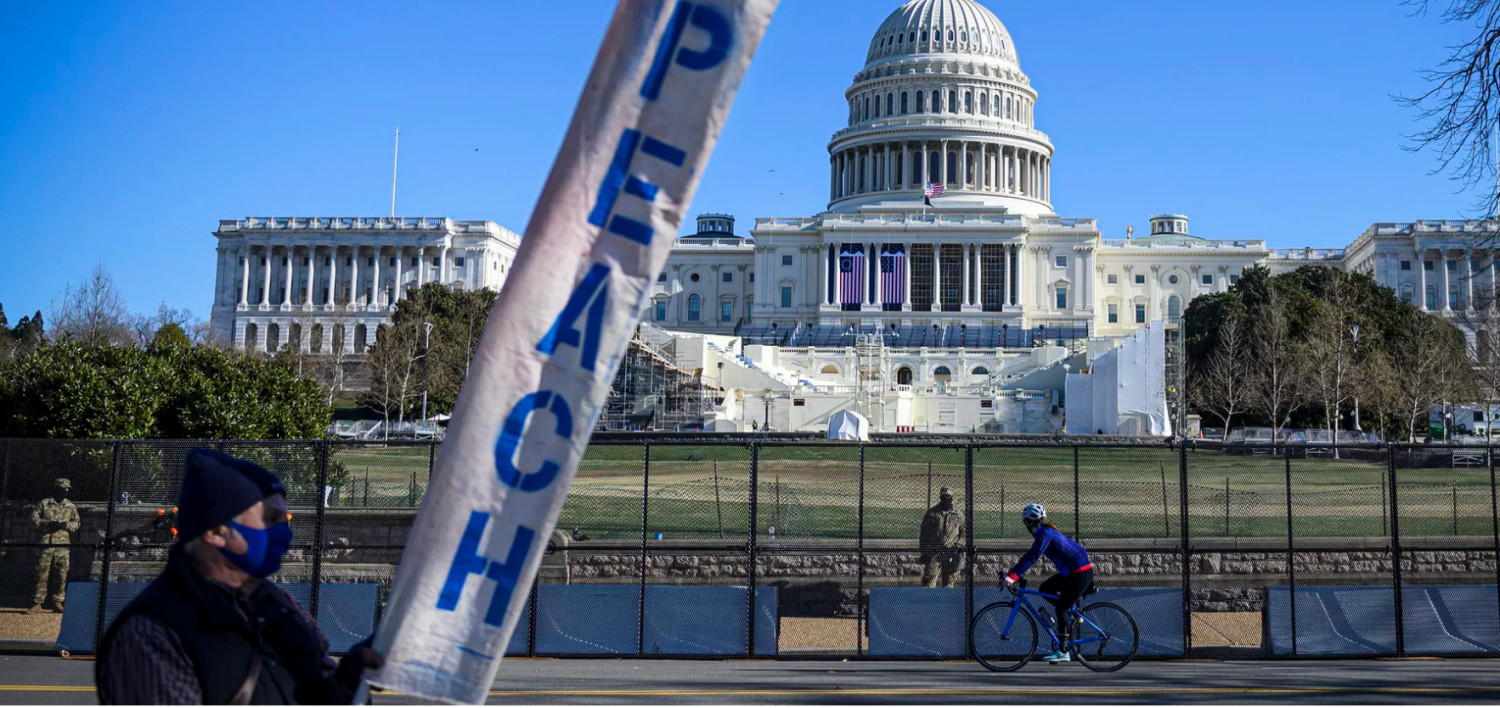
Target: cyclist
1075,574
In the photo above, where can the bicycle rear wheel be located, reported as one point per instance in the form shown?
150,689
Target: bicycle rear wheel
999,647
1107,637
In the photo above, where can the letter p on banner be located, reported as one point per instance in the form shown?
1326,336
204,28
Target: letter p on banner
657,97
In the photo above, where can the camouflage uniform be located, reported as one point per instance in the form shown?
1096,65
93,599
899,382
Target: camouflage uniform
54,520
942,544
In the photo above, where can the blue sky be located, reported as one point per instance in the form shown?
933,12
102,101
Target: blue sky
127,130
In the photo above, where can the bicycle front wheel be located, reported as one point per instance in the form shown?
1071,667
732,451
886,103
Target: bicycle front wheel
1000,640
1105,637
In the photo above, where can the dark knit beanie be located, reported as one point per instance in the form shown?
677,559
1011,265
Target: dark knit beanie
216,488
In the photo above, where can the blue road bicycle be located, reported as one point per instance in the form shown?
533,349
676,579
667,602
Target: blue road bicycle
1003,635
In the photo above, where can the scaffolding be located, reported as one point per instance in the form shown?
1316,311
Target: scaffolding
653,392
872,364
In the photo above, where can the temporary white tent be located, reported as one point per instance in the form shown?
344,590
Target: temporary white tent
848,425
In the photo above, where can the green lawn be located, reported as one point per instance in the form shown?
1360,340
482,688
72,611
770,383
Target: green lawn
812,491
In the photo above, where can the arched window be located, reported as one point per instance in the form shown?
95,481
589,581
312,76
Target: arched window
981,371
900,39
997,105
830,369
952,168
942,374
1007,107
903,103
867,107
250,332
695,308
920,96
952,101
914,36
984,104
903,376
934,168
964,37
361,338
968,102
273,337
1174,308
890,104
877,106
937,102
950,35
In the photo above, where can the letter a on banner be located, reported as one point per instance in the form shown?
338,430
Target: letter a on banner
654,105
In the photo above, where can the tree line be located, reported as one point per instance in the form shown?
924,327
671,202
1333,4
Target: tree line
1316,346
101,372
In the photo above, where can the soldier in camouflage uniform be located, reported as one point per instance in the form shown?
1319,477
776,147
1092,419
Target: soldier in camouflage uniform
942,542
54,518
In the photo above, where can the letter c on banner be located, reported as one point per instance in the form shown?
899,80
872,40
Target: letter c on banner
510,440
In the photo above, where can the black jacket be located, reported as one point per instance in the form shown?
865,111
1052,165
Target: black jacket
223,632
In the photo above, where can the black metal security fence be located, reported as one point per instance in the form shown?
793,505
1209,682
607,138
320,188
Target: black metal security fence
762,546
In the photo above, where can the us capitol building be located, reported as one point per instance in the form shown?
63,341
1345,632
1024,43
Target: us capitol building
972,309
942,100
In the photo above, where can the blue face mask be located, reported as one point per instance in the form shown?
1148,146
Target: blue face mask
264,549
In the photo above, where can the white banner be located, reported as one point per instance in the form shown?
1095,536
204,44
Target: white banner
655,102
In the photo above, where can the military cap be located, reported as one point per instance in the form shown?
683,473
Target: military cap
63,482
945,492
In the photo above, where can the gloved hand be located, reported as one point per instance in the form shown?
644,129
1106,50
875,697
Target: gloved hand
360,657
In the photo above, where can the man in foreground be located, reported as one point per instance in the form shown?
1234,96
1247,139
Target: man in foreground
942,542
211,628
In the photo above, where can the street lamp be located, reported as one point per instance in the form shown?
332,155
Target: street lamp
1354,337
426,350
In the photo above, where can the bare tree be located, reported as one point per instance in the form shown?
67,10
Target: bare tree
1374,383
1279,380
1222,386
1461,106
93,313
394,375
1427,368
1330,356
331,370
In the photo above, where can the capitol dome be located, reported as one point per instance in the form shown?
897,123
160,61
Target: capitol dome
942,27
941,99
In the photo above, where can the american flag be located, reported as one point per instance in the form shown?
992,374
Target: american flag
851,276
893,278
934,190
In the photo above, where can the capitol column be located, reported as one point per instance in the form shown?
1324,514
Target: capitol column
906,175
1421,277
375,289
265,291
906,277
963,291
886,174
984,155
943,162
244,276
354,276
879,278
1442,267
333,272
1151,307
937,277
286,294
1469,281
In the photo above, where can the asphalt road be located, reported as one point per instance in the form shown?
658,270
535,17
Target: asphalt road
44,680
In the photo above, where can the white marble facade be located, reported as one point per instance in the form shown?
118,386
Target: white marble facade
942,99
284,279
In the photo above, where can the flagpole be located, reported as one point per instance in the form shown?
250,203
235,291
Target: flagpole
395,159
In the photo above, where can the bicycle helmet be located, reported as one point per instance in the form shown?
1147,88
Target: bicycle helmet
1034,512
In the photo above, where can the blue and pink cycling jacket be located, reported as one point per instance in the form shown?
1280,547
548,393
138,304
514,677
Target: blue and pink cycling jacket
1064,552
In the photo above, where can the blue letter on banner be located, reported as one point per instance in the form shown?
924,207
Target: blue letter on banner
594,287
510,440
506,575
620,178
466,561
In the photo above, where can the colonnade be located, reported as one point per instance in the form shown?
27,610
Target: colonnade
1451,280
961,164
990,276
342,264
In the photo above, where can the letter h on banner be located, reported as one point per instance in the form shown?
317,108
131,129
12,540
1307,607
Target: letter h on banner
467,561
